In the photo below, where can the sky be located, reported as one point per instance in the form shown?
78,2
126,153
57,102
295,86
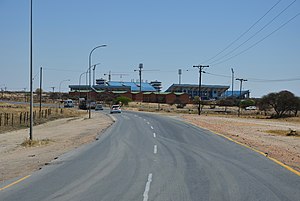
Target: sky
260,40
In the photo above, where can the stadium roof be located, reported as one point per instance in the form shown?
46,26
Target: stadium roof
203,86
134,86
113,85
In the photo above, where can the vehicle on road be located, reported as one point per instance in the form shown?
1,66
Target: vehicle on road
68,103
115,109
99,107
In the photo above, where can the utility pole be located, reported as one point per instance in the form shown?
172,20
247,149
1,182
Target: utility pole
31,80
232,81
179,74
241,85
200,67
41,77
140,74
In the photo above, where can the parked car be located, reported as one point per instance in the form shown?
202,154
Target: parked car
68,103
250,108
99,107
115,109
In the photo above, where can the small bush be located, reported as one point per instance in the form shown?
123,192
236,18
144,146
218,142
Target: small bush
35,143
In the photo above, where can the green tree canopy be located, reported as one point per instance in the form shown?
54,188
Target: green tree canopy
282,102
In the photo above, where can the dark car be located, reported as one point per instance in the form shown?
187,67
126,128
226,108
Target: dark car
99,107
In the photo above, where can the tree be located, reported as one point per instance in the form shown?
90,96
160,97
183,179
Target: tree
38,91
246,103
228,102
282,102
124,100
296,106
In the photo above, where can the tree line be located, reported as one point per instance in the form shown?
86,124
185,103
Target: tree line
281,104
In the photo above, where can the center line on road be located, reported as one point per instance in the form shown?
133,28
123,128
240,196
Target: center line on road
154,135
152,127
155,149
147,187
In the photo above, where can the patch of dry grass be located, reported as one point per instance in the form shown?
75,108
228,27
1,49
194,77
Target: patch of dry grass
35,143
18,116
284,132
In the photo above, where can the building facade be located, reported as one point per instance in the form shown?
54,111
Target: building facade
207,92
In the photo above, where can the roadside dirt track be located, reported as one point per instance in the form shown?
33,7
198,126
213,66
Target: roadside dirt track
63,134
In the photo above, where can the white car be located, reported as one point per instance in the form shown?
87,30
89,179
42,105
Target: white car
68,103
115,109
250,108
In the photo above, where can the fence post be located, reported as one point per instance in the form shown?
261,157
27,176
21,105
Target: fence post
1,119
6,119
20,118
12,119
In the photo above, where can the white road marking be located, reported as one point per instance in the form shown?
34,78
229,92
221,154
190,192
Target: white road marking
144,119
155,149
147,187
135,115
154,135
148,122
152,127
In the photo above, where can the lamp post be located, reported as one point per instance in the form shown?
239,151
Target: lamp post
60,88
90,65
232,81
140,75
80,82
94,69
200,67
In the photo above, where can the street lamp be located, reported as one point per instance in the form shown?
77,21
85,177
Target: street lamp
60,88
90,65
94,72
81,76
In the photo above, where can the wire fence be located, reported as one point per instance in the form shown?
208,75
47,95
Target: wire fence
23,118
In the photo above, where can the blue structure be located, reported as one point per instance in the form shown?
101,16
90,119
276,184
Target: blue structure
135,87
208,92
236,94
115,86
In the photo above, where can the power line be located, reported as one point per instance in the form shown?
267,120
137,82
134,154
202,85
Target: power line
258,41
228,46
266,25
55,69
260,80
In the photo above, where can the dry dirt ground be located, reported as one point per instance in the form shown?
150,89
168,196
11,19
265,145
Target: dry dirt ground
253,132
63,134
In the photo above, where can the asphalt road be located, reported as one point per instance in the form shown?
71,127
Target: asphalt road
150,157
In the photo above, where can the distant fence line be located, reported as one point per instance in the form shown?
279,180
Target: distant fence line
23,118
